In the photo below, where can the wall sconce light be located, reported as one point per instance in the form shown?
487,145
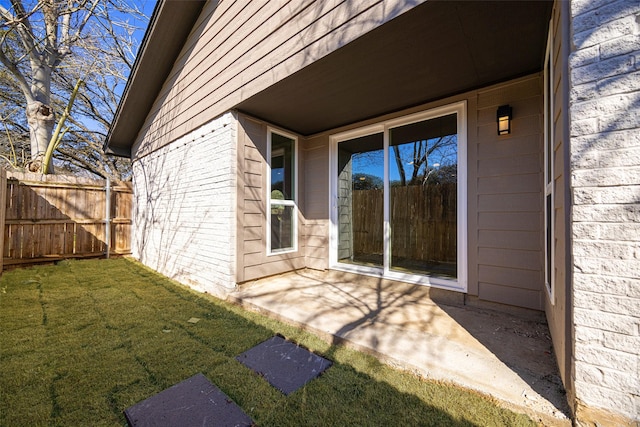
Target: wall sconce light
504,120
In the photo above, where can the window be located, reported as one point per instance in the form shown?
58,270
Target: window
282,212
548,168
399,199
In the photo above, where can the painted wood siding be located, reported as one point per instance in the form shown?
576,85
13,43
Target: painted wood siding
238,48
316,207
184,217
252,165
508,182
556,309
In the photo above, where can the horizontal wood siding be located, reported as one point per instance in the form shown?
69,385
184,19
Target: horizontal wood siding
556,309
316,207
239,48
508,192
252,258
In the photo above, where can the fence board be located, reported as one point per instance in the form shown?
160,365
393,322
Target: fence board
56,217
423,222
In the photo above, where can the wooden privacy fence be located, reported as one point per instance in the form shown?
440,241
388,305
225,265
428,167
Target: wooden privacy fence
51,217
423,222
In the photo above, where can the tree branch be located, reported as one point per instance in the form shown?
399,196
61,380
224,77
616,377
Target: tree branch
89,13
22,81
22,24
57,136
51,26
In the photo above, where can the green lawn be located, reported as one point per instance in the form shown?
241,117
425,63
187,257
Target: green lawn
83,340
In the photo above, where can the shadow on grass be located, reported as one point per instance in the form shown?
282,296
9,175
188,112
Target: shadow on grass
84,340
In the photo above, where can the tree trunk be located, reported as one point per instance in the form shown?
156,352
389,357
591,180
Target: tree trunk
40,115
41,120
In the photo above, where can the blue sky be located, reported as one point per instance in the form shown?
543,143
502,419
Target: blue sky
372,162
146,6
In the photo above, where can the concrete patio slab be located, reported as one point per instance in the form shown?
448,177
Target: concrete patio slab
431,332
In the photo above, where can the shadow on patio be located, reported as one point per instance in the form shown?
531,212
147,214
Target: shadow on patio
425,330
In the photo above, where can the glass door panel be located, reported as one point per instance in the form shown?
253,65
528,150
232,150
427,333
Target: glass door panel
423,163
361,201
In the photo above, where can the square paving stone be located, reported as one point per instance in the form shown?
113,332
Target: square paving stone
193,402
284,364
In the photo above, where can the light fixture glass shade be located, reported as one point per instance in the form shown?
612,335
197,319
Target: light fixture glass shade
503,125
504,120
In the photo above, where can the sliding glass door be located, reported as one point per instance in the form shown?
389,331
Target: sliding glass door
396,199
423,191
360,200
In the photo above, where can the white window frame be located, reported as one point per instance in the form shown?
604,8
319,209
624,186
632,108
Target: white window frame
549,130
459,284
293,203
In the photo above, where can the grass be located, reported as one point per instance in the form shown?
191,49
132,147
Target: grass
83,340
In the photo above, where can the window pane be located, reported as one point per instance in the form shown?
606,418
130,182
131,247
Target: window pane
282,195
423,165
282,167
282,223
360,200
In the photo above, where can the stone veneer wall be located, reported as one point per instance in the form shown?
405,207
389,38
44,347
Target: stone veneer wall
604,68
185,206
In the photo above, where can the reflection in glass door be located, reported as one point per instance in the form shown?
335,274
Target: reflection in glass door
423,170
360,201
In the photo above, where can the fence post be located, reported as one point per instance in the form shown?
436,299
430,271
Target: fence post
107,226
3,209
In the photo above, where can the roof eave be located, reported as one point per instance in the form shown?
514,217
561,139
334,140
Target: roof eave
158,52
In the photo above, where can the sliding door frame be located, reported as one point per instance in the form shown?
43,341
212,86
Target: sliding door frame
458,284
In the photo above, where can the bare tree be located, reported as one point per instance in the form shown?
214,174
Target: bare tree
46,47
418,156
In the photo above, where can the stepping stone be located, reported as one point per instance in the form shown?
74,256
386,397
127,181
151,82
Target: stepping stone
284,364
193,402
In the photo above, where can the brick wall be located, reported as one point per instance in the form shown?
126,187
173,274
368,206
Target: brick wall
184,207
605,177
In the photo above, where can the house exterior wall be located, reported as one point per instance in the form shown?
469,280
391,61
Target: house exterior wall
214,73
605,220
504,193
237,49
184,198
252,169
